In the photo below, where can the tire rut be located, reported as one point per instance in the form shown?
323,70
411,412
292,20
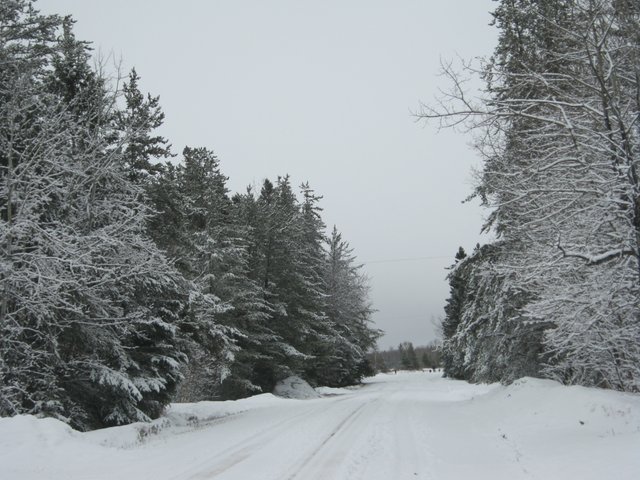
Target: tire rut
338,429
242,450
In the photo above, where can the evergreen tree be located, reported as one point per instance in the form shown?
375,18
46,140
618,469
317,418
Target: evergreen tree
453,311
88,301
142,149
291,274
409,357
263,354
560,149
82,89
288,258
349,310
26,377
97,326
192,211
453,308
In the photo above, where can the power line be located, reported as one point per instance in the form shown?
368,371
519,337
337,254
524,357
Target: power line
407,259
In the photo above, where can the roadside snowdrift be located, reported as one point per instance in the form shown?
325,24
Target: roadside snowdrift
538,429
28,432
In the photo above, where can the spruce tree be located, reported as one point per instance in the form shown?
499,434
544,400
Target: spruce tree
559,143
136,123
349,310
88,301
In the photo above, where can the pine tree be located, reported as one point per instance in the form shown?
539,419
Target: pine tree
88,301
142,149
83,90
409,357
225,321
263,354
559,144
97,326
453,308
26,376
348,308
453,312
192,210
287,257
290,278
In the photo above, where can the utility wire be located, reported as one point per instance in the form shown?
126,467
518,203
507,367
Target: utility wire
407,259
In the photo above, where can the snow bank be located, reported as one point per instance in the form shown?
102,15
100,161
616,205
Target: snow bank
31,432
539,429
295,387
180,418
46,448
22,431
549,406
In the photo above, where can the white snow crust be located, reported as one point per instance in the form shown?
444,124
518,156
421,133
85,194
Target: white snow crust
404,426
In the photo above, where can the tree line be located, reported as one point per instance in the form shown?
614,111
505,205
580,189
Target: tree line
130,278
406,357
557,294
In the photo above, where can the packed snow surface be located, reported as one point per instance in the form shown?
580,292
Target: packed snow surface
404,426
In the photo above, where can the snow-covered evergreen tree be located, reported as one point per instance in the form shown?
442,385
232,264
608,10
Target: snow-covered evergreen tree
290,280
349,309
97,327
560,147
137,122
88,301
319,304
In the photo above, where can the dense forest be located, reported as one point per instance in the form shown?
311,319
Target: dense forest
556,294
131,277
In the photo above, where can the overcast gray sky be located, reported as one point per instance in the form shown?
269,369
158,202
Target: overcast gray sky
323,91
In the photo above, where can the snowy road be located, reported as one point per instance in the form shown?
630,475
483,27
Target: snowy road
405,426
375,432
372,433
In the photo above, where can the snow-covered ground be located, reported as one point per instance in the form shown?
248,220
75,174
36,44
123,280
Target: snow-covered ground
404,426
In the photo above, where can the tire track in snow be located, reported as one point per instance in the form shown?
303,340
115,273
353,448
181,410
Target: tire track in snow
332,461
239,451
231,456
